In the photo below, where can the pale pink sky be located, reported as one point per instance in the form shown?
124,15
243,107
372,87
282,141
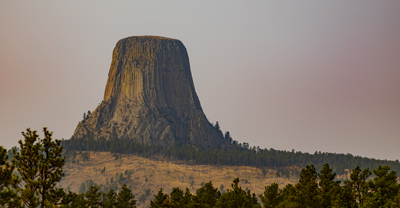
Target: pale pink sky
303,75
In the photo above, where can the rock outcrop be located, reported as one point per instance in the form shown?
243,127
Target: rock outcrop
150,97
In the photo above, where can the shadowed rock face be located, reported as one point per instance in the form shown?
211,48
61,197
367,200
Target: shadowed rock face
150,97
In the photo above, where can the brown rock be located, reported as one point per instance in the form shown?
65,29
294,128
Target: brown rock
150,97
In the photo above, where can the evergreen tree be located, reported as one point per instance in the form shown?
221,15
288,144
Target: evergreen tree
160,200
329,188
73,200
358,183
272,196
237,198
395,202
187,199
345,198
384,187
228,137
125,198
8,182
40,162
307,188
176,197
93,197
206,196
289,197
217,126
109,199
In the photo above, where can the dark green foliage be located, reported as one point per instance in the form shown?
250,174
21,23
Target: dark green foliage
93,197
188,199
109,199
228,137
307,188
39,163
384,187
272,196
161,200
125,198
206,196
345,197
8,182
73,200
176,199
329,188
358,184
237,198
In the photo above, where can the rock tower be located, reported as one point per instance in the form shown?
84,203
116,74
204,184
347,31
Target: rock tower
150,97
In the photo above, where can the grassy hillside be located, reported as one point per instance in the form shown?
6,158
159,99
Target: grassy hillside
232,155
161,173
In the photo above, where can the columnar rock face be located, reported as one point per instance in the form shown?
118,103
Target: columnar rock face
150,97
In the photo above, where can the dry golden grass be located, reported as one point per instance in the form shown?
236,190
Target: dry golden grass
161,173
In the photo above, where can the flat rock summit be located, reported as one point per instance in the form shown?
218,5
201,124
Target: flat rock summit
150,97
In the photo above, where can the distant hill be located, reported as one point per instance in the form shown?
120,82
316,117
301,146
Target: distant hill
103,169
233,155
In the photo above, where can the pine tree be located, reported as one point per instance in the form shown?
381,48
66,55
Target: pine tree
272,196
73,200
307,187
159,200
125,198
188,199
228,137
176,197
40,164
329,188
109,199
237,198
358,183
8,182
93,197
206,196
384,187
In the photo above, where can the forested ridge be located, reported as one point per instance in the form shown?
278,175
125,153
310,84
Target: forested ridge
234,154
30,179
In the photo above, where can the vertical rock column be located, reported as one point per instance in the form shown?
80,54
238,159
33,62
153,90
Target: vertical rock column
150,97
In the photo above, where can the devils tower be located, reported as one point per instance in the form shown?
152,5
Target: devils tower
150,97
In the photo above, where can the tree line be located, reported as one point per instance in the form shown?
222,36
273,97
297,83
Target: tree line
30,179
234,154
314,190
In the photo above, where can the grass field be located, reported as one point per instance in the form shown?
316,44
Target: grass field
165,174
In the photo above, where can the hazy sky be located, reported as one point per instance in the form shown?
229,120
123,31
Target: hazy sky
303,75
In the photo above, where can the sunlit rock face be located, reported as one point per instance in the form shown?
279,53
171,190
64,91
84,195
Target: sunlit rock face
150,97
